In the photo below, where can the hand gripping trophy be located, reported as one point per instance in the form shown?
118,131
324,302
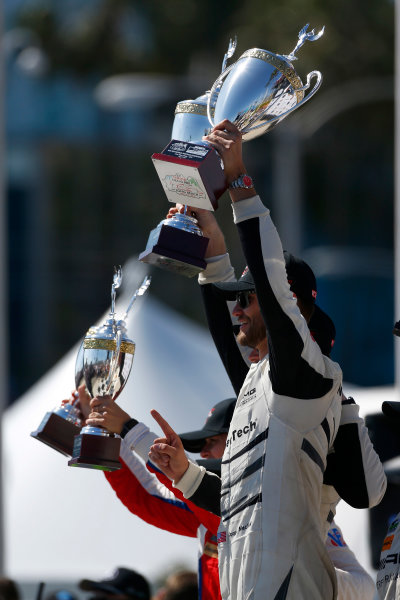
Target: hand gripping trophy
107,362
255,93
59,426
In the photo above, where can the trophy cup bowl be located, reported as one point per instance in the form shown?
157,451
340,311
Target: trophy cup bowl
258,92
191,119
255,93
107,362
59,427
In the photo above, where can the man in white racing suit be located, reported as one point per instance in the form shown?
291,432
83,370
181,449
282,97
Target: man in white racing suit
271,539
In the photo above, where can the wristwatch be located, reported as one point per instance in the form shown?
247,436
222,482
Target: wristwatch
242,182
127,427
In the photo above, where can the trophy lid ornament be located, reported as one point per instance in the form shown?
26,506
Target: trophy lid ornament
304,37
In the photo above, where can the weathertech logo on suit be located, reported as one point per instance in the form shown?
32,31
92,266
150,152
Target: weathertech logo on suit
237,433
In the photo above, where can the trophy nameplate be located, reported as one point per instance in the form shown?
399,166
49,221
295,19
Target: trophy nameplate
190,173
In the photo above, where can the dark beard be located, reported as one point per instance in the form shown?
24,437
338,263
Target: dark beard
256,334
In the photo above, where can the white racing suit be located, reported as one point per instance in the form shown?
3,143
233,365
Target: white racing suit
354,467
271,542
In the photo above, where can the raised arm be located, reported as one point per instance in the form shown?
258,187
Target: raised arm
146,497
217,310
354,468
200,486
297,366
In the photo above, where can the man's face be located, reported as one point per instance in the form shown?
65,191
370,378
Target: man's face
252,327
214,446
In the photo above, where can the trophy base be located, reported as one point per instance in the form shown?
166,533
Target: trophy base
191,173
96,452
56,432
176,250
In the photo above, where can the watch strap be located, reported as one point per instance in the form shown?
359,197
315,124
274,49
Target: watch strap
128,426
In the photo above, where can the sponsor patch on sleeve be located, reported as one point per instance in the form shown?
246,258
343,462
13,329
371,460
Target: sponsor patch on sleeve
336,538
387,542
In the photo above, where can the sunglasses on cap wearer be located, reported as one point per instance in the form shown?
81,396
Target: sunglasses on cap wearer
243,298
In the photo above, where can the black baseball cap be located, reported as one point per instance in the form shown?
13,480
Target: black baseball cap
124,581
300,277
391,409
218,421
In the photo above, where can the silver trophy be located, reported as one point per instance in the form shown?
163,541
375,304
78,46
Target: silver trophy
182,248
261,88
255,93
107,361
59,426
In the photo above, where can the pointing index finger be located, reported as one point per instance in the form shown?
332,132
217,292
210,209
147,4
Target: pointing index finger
167,429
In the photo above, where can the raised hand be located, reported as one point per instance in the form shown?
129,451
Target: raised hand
208,225
107,414
226,138
167,453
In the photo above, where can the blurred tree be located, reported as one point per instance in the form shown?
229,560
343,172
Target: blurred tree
115,36
103,196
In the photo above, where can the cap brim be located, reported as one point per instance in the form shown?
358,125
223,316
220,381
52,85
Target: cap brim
91,586
229,289
391,409
193,441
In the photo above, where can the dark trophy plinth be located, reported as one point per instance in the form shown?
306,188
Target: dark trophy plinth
96,452
175,249
191,173
57,432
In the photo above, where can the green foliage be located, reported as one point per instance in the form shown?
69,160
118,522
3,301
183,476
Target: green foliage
116,36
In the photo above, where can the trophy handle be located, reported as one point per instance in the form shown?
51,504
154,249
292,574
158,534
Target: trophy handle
214,90
316,87
114,361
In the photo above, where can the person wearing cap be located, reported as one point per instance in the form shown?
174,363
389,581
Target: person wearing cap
388,576
143,495
144,491
125,584
285,422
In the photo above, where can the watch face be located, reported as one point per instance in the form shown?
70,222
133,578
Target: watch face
247,181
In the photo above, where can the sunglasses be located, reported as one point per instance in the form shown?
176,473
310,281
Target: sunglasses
244,298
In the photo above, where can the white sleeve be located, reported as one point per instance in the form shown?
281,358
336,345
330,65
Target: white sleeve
218,268
190,480
139,439
375,478
147,480
353,581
